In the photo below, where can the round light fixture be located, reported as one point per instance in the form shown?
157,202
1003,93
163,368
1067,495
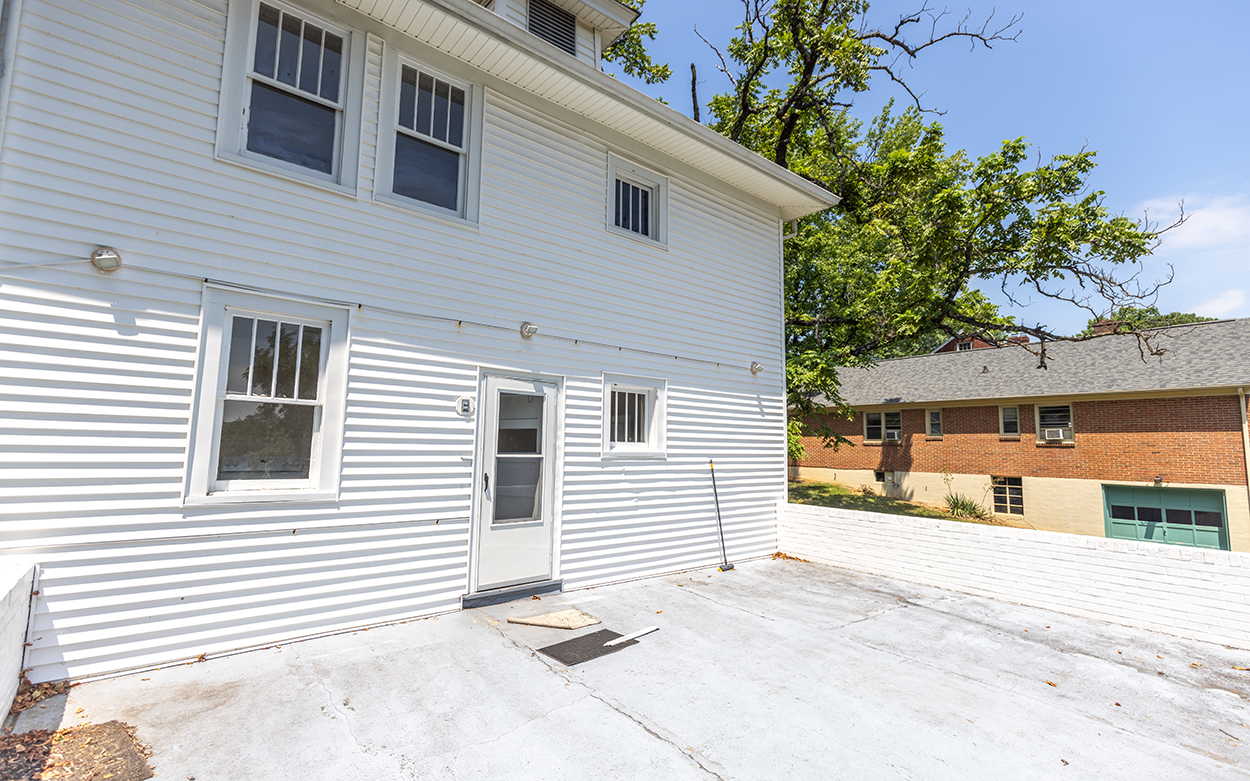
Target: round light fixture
756,368
106,259
528,330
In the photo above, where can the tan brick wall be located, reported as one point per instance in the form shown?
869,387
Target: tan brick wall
1186,440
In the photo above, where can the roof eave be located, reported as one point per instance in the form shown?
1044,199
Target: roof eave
651,122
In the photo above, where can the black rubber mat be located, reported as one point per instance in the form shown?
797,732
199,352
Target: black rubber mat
584,648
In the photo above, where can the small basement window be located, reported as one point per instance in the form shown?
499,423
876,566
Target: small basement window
878,476
554,25
1008,495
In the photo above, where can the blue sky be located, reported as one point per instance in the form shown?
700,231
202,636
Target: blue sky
1160,90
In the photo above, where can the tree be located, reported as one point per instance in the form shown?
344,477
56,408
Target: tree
919,228
630,50
1141,318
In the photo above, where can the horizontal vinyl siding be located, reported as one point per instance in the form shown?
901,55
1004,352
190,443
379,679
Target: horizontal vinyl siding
114,146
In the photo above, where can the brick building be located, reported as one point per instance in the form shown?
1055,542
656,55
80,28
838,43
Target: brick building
1099,442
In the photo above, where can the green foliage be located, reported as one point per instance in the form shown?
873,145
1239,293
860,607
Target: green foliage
1131,318
630,51
961,506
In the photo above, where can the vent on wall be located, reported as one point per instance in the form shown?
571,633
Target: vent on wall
554,25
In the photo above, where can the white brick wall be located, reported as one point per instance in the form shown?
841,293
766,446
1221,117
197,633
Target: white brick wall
1188,592
16,582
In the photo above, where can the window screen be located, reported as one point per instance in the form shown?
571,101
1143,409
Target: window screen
633,208
1011,420
629,417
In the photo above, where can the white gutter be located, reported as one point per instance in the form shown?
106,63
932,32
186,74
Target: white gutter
8,63
1245,438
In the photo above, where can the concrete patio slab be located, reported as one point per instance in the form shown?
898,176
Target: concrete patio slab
776,670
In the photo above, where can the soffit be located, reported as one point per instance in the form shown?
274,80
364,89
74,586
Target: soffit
482,39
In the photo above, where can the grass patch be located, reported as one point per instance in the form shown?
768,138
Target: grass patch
830,495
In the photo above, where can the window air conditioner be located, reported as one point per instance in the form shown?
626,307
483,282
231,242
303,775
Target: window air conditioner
891,435
1054,434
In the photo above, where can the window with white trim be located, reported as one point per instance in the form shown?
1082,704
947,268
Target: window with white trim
289,101
637,201
1009,421
1054,423
633,416
270,410
429,159
881,426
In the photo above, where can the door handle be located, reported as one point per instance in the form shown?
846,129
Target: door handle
485,483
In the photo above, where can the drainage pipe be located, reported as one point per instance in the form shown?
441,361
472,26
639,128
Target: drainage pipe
1245,438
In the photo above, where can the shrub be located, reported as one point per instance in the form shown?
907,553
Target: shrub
961,506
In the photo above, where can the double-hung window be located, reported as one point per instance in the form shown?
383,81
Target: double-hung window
880,426
430,162
933,423
633,416
1054,423
290,102
270,410
1009,421
637,201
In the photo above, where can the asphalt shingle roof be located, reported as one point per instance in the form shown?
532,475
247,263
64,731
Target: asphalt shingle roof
1202,355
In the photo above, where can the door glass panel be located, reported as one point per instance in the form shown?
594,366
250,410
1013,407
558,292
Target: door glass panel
1150,514
1180,516
1208,518
520,421
517,494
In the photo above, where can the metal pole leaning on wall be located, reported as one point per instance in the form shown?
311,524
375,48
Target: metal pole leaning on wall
720,529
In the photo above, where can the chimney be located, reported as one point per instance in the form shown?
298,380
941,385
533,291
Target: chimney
1103,327
1019,340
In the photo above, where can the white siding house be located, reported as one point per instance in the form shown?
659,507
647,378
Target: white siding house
304,402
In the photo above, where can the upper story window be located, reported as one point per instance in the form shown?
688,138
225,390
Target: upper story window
963,346
879,426
1009,421
1054,423
934,423
553,24
429,163
295,107
289,99
637,201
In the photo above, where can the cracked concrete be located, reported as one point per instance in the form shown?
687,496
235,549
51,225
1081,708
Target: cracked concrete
777,669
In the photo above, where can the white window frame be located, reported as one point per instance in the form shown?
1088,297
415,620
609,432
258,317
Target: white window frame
645,178
1069,438
657,417
1002,429
883,413
201,485
928,424
964,346
235,98
388,125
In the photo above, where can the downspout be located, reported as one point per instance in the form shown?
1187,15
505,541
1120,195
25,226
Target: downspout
6,65
1245,438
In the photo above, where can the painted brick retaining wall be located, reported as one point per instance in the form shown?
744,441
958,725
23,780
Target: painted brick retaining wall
1188,592
16,583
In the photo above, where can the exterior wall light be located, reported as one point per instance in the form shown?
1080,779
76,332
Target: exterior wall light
528,330
756,368
106,259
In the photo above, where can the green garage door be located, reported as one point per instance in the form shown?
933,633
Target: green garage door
1180,516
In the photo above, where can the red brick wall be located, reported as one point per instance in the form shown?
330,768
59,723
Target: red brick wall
1186,440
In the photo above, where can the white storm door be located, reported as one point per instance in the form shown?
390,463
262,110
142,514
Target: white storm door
515,483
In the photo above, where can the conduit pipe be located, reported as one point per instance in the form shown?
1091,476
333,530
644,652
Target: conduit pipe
1245,438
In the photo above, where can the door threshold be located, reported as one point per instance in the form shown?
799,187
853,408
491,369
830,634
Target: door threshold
510,593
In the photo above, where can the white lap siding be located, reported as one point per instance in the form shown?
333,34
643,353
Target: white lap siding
113,145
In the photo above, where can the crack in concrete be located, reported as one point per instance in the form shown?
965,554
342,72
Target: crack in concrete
564,673
695,593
